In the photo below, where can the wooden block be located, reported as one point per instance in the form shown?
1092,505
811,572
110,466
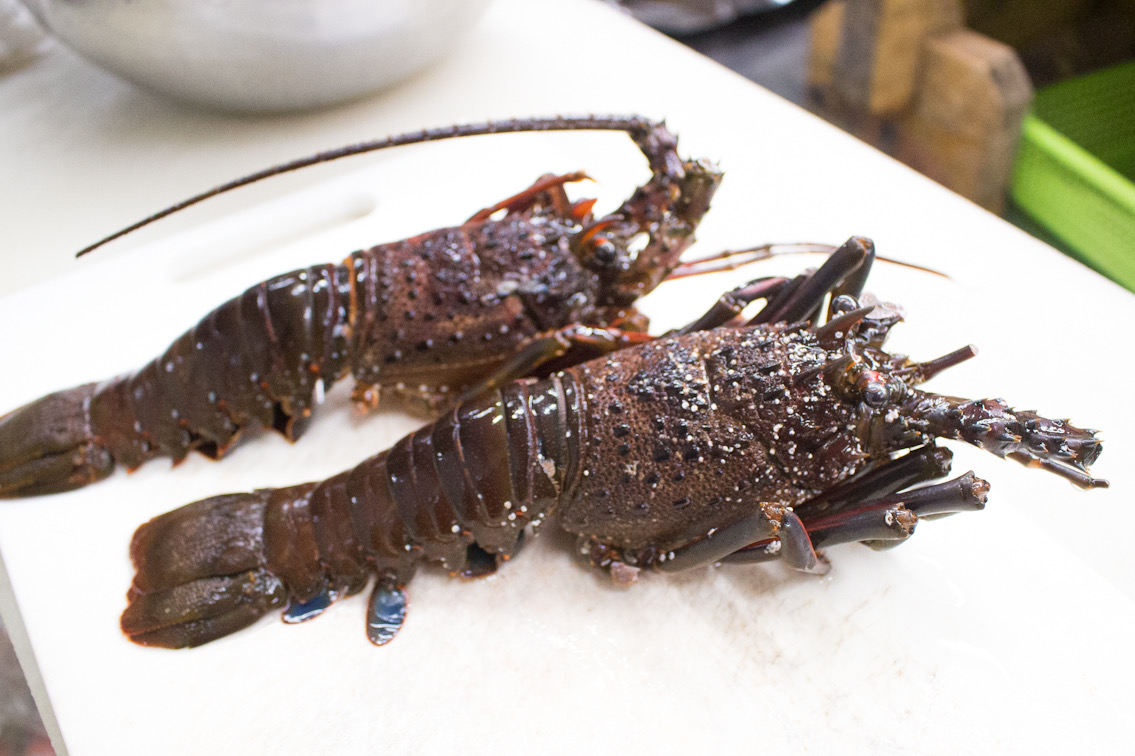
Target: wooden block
972,84
966,119
881,44
825,26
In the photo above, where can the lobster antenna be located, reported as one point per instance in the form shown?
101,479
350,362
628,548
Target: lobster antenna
637,127
738,258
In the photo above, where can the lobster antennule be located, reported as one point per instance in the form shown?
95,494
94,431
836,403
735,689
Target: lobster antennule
1020,435
924,371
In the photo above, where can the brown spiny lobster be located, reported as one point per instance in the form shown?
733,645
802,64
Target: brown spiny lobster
445,314
726,441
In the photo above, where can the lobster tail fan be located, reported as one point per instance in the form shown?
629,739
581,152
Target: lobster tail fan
49,446
201,573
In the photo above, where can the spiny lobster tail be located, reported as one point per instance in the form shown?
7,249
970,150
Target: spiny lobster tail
921,372
260,359
1020,435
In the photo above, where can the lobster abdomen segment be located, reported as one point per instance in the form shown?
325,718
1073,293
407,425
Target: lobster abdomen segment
256,359
464,486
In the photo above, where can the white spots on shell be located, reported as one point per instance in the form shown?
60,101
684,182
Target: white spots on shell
638,243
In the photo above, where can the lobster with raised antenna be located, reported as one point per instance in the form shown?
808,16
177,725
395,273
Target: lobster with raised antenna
728,441
445,314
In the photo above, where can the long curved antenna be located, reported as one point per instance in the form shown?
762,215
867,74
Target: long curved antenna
738,258
640,129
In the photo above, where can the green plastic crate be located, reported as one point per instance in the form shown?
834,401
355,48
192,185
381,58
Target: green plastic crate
1075,170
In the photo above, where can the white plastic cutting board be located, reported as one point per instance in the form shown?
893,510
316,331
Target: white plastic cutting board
1002,631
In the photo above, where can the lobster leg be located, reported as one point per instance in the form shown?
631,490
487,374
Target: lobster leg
844,272
888,521
730,304
797,549
881,523
792,543
924,464
754,527
919,466
552,346
546,187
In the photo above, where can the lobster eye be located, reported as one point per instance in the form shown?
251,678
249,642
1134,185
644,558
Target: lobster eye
875,394
843,304
605,253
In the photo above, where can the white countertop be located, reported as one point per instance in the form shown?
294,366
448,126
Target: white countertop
1002,631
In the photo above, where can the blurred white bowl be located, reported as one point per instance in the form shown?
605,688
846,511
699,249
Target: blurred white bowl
259,55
